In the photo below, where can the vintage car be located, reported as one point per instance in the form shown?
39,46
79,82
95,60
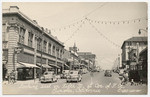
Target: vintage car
74,75
64,73
48,77
108,73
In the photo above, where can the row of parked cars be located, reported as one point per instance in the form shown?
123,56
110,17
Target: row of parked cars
69,75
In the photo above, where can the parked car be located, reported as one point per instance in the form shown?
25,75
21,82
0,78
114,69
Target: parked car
74,76
48,77
64,73
108,73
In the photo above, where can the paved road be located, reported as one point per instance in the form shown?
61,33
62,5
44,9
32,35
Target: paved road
96,84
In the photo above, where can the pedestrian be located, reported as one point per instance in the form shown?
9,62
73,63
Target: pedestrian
12,77
132,82
124,78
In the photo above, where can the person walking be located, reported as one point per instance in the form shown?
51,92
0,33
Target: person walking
12,77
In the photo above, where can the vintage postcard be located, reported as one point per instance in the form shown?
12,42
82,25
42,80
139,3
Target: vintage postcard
74,48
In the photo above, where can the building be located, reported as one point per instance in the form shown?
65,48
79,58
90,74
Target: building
89,57
132,43
143,65
75,59
67,59
27,47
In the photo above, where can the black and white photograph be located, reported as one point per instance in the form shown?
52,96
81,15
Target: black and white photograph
74,48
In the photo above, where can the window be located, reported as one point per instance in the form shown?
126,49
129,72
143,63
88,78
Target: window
44,46
49,48
57,50
60,53
54,50
30,39
21,35
4,32
39,40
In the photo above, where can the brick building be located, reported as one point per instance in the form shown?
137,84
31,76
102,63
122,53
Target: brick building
39,46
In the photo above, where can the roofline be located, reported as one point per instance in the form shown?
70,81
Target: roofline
131,41
23,16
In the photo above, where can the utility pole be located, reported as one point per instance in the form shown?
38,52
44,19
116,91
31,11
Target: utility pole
137,44
41,50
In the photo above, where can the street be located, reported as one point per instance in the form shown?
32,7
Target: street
97,84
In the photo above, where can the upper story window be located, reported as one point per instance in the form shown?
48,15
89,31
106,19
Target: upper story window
30,39
21,35
44,46
57,50
61,53
39,40
4,33
49,48
54,50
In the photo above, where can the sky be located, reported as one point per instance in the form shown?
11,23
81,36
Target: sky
65,19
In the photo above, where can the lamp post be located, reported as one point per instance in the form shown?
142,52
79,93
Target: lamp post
145,30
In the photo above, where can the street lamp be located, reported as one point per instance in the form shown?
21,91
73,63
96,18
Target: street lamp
143,30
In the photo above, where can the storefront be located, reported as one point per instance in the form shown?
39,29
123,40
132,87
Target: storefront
55,68
133,72
26,71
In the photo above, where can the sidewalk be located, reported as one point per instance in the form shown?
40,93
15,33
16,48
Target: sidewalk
22,81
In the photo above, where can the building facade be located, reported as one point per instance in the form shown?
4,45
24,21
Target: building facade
132,43
26,44
89,57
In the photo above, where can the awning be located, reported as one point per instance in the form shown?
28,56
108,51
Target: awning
66,65
54,65
21,65
44,65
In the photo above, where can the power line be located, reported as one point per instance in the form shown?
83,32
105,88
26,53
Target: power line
74,32
117,22
116,45
94,10
78,20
